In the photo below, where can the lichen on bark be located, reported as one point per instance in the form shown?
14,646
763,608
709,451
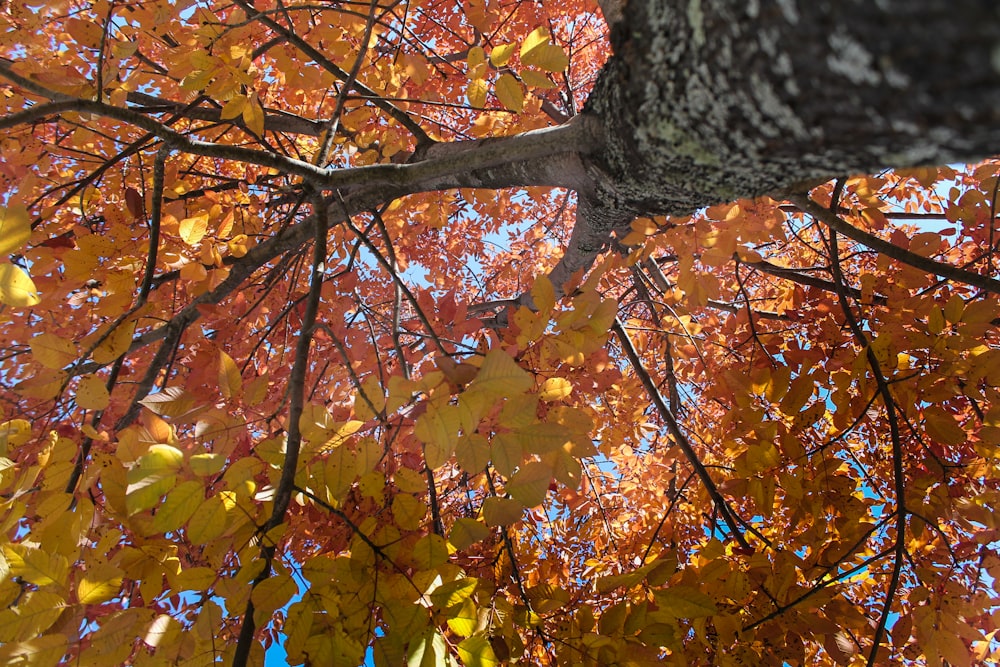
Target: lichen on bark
709,100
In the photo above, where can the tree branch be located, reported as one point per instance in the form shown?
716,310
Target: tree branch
834,222
296,384
675,431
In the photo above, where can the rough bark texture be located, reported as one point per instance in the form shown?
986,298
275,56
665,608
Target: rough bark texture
711,100
707,101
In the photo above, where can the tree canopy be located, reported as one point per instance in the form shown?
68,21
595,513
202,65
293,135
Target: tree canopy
493,331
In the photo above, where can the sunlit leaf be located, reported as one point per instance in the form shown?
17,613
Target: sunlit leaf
501,376
530,483
99,584
15,229
192,230
51,351
91,393
16,287
510,92
180,505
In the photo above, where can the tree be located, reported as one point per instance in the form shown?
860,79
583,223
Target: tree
416,330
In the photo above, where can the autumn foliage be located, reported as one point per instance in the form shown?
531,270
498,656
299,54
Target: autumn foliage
243,406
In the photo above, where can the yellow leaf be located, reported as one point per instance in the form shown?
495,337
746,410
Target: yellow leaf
16,287
530,484
208,522
555,388
685,602
500,375
195,579
51,351
954,308
273,594
14,433
171,402
234,107
369,453
464,620
36,566
544,437
543,294
942,426
510,93
549,57
410,481
192,230
501,54
253,115
476,651
180,505
467,532
438,428
408,512
533,79
164,630
339,472
429,552
472,453
116,344
454,592
15,229
501,511
476,92
144,490
536,38
38,651
91,394
476,57
519,411
204,465
506,452
370,395
99,584
230,380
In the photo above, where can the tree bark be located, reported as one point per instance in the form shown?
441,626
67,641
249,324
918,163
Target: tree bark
711,100
707,101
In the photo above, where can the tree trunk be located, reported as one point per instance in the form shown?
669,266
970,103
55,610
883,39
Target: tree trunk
711,100
707,101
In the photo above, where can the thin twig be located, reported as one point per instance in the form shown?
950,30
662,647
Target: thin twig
675,430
